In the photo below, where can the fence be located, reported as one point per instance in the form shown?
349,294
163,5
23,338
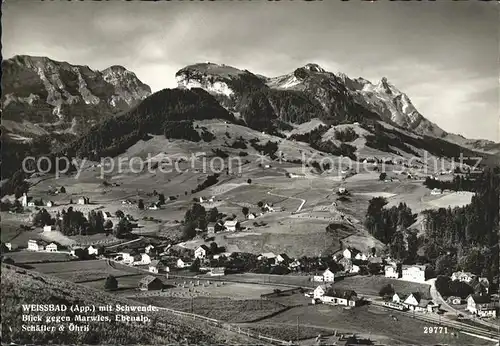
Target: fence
228,327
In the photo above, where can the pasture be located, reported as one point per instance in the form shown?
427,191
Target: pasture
21,257
371,285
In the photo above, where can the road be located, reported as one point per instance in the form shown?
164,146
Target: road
437,298
303,201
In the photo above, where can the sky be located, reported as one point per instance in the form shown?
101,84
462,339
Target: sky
443,54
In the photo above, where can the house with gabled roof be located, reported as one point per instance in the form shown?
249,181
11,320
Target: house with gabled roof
320,291
283,258
350,253
337,296
157,266
201,252
149,283
414,273
481,305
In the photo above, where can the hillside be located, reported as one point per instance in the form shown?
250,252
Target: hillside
40,95
21,286
312,92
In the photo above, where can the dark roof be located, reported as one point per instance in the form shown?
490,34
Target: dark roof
155,263
480,299
417,295
148,279
204,247
354,251
285,256
339,293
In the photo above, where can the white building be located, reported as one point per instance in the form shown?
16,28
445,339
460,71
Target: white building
50,204
8,246
230,225
182,263
414,273
481,305
391,271
354,269
251,216
83,200
157,266
267,255
466,277
350,253
149,248
201,252
283,258
127,257
52,247
48,228
93,251
436,191
361,257
35,245
328,276
320,291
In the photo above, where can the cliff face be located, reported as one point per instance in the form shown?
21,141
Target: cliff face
54,96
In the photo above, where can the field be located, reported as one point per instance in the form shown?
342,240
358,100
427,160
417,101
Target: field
27,287
80,271
21,257
224,309
288,332
371,285
368,320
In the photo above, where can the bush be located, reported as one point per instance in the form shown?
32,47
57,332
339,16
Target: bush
111,283
386,291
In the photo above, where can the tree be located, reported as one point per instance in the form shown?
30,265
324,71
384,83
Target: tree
140,204
382,176
108,224
80,253
111,283
213,247
212,215
161,199
249,181
398,246
42,218
245,211
386,290
260,204
122,228
70,201
444,265
195,267
119,214
62,189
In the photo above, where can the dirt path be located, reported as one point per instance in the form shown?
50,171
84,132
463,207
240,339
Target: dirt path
303,201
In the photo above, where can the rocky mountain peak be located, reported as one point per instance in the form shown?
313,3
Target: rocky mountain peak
314,67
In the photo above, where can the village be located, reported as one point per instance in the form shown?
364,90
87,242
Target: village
179,272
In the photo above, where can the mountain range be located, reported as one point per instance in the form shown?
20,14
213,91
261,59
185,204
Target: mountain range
49,105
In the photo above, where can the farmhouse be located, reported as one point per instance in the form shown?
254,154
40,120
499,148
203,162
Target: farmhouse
83,200
50,204
466,277
148,248
142,259
320,291
354,269
283,258
392,271
361,257
52,247
157,266
346,263
223,254
268,255
415,302
396,298
94,251
211,228
231,225
350,253
251,216
8,246
35,245
481,305
128,256
201,252
48,228
328,276
340,297
219,271
107,215
414,273
436,191
149,283
485,283
183,263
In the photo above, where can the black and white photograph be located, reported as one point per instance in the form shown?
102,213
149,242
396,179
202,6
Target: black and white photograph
250,172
